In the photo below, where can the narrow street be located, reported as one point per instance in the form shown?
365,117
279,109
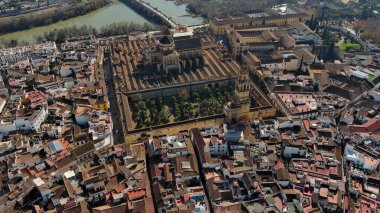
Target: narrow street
118,134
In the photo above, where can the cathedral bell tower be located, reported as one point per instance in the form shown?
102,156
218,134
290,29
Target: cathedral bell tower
239,107
242,87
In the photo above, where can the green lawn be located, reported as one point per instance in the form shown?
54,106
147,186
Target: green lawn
349,47
370,76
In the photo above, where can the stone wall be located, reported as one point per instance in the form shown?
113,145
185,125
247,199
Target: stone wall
174,128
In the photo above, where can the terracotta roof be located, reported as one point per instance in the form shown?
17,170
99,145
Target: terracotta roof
370,126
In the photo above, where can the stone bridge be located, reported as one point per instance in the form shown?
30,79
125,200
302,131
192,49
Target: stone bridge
156,11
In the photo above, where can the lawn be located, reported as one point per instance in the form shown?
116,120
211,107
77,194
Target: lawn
370,76
349,47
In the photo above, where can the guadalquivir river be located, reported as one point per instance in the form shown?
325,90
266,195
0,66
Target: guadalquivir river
116,12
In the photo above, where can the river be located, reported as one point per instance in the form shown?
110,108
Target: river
116,12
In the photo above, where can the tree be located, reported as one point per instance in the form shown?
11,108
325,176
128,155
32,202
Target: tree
147,122
141,105
206,92
331,52
299,70
39,39
194,96
184,97
173,100
215,105
203,107
135,108
185,111
218,93
13,43
61,37
159,102
153,116
181,107
139,122
177,110
192,111
325,35
163,116
140,114
311,22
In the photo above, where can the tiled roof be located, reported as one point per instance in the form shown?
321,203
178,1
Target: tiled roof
187,44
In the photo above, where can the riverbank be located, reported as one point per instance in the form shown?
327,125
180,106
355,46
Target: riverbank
49,16
33,10
114,29
116,12
113,13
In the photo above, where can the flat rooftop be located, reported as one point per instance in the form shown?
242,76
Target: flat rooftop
299,102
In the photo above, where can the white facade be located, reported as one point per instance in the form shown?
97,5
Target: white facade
17,53
274,66
31,123
218,149
55,132
360,161
375,95
11,57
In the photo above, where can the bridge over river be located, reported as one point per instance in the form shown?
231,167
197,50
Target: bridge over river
156,11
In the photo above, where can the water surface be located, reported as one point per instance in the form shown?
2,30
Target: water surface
116,12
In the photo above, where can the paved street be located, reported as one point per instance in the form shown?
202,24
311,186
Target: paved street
117,125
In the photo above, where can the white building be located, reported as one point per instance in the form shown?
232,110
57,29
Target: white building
16,53
375,95
11,55
29,123
217,147
361,161
273,65
44,186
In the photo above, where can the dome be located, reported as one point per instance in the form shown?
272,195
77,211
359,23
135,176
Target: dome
166,40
